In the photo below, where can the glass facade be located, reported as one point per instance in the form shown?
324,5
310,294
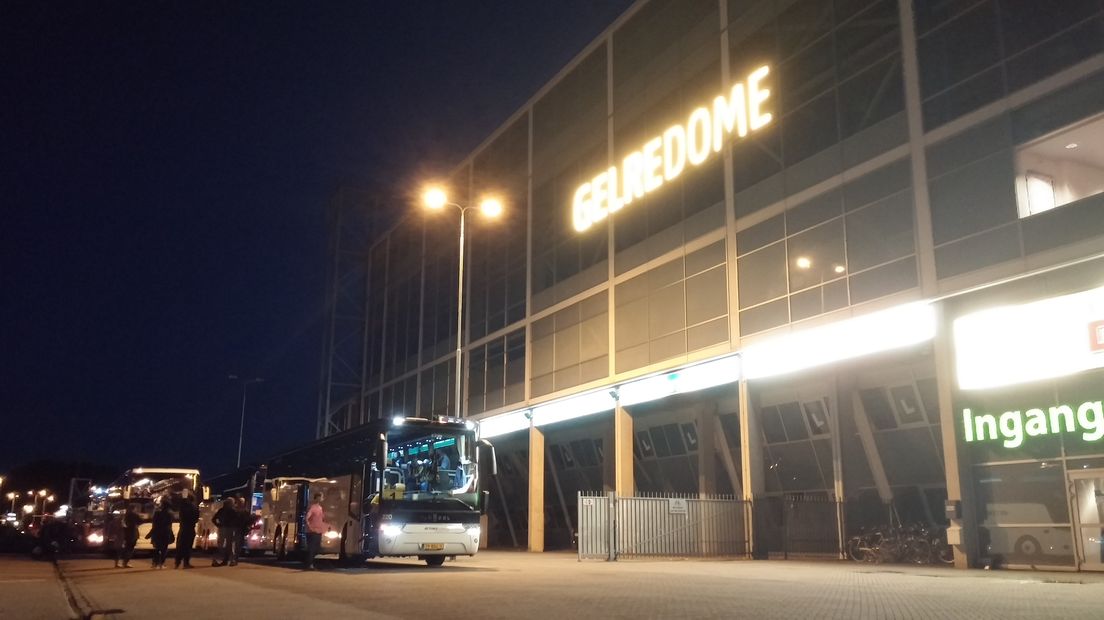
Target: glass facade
904,160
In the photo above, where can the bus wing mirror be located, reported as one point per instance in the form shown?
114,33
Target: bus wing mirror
483,443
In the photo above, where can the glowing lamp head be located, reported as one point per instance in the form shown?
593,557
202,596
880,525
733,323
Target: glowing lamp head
491,207
803,262
434,198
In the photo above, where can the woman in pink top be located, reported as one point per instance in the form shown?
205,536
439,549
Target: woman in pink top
316,526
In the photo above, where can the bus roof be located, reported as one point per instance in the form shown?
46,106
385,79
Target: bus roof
164,470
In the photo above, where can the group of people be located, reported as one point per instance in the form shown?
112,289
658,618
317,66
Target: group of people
433,473
233,521
169,509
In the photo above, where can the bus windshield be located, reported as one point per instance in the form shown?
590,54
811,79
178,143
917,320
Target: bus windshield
147,483
430,465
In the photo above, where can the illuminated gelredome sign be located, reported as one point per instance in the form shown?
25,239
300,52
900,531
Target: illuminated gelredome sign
1014,426
664,157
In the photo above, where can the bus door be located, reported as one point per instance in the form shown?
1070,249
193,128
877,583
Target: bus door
339,506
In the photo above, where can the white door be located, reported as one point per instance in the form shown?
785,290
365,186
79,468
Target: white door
1087,490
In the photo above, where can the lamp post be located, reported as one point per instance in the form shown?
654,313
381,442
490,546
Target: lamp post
436,199
41,495
241,427
11,496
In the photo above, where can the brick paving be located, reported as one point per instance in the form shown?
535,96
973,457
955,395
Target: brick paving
522,585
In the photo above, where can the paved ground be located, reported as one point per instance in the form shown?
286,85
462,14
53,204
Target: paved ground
513,585
31,590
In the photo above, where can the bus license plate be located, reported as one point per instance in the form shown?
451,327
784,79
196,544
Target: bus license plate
433,546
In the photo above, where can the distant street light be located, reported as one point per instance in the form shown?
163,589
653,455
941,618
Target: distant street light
805,264
241,427
40,495
28,509
12,495
435,198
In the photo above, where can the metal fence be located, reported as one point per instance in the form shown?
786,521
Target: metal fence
612,527
797,525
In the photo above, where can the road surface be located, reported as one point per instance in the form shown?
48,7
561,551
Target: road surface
530,586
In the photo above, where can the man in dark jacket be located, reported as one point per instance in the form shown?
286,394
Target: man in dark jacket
128,538
161,534
245,523
185,535
226,520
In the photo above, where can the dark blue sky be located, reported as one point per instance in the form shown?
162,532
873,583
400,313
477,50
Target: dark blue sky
163,169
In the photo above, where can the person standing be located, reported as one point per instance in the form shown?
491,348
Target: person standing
316,526
161,534
225,520
129,538
244,522
185,536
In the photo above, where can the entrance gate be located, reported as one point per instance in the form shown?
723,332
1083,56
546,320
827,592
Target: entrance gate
797,525
612,527
1087,494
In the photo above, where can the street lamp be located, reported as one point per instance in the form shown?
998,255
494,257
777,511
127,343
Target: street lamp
241,427
435,198
12,495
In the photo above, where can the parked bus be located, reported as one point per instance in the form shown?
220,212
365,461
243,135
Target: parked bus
406,487
252,491
142,488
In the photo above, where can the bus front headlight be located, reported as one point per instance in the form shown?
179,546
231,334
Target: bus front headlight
332,534
473,531
391,530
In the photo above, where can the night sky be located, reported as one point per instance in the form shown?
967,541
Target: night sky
164,167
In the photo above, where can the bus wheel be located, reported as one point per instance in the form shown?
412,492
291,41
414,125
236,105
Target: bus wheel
342,554
1028,547
434,560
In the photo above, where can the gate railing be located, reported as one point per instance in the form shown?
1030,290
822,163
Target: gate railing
803,525
667,525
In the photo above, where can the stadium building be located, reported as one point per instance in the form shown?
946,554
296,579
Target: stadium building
842,259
